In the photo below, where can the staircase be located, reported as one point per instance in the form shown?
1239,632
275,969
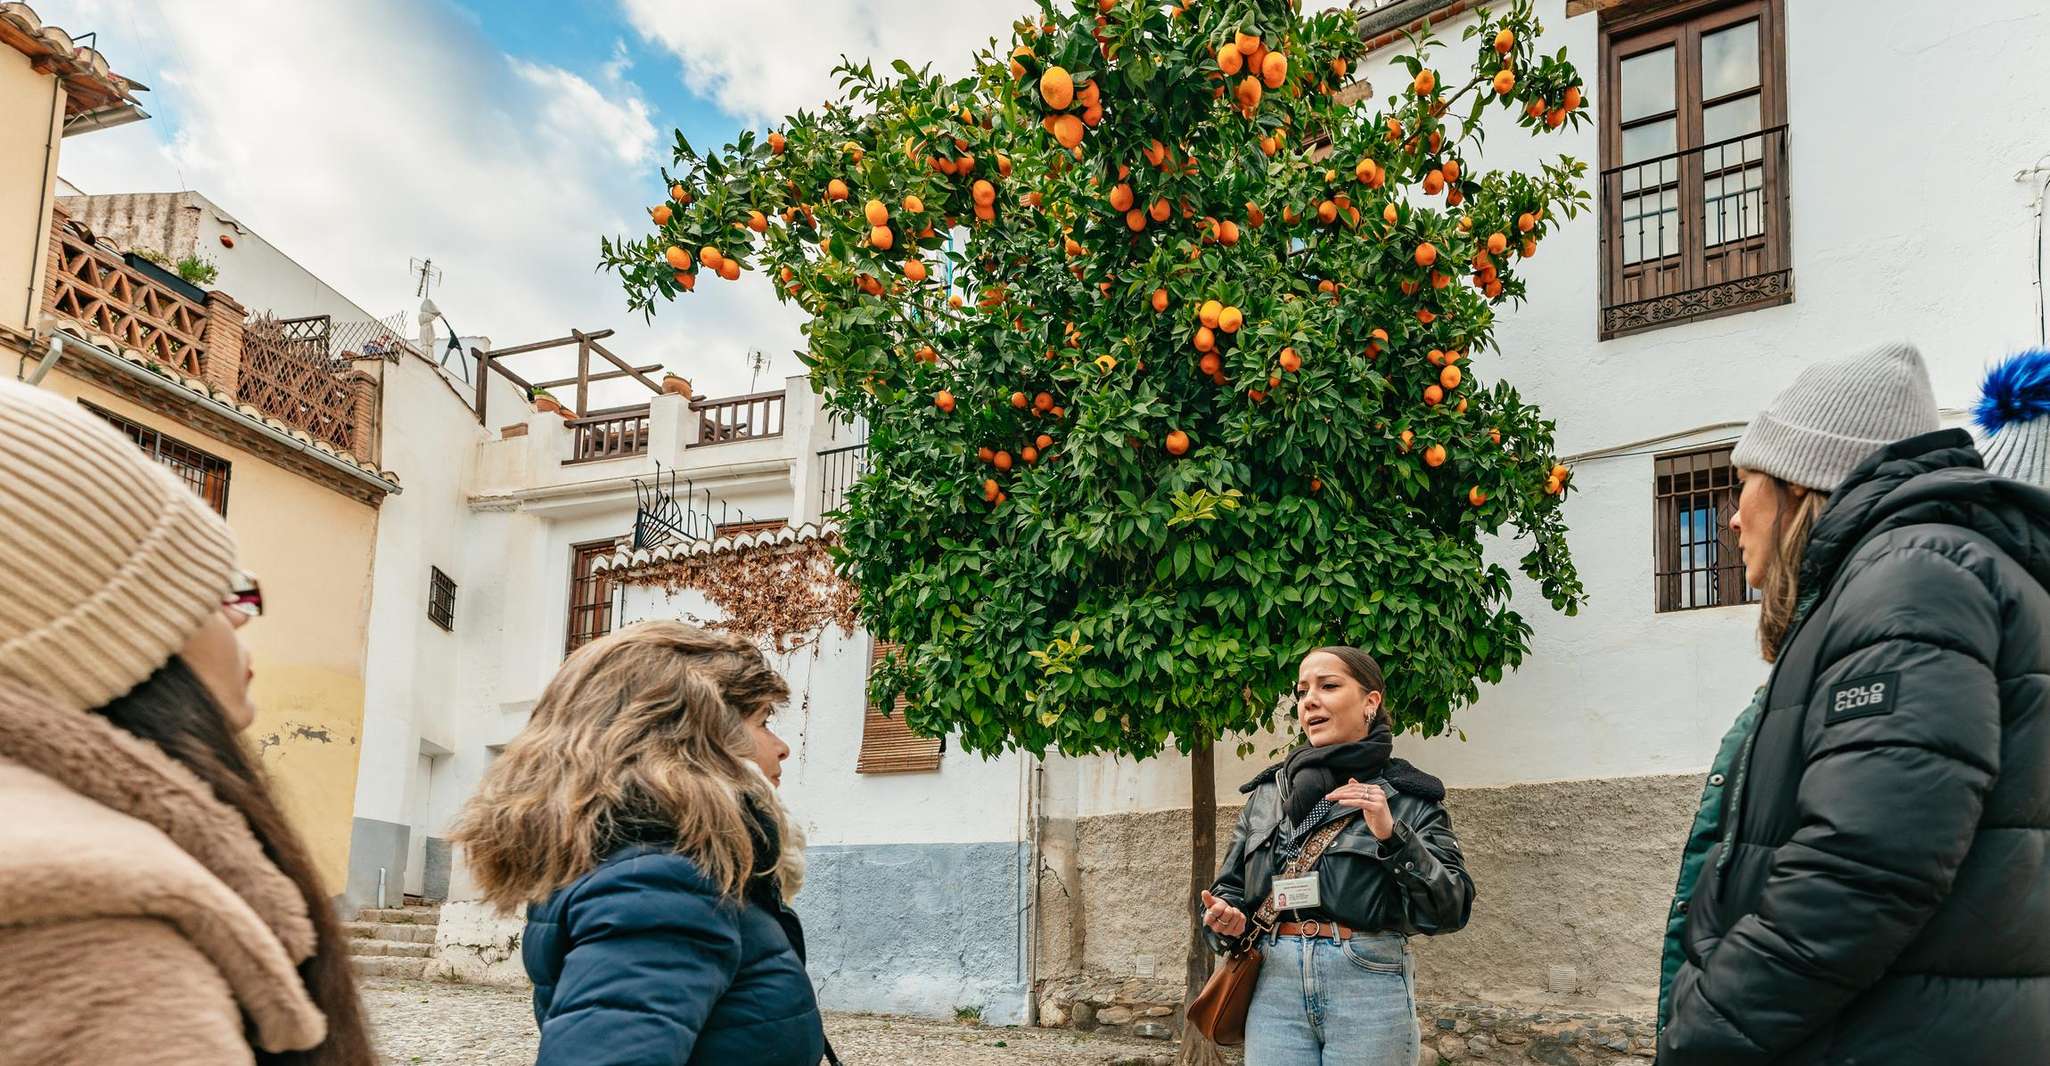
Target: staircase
393,942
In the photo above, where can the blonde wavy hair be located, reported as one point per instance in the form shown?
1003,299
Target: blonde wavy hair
1792,524
648,724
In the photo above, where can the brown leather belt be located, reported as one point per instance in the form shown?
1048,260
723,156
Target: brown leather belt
1315,930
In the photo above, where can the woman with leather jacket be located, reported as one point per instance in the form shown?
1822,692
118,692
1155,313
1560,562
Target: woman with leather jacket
1337,981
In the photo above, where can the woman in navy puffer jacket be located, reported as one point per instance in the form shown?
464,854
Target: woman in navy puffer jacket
636,816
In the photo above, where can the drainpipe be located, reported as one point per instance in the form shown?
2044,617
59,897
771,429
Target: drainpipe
42,228
49,359
1035,799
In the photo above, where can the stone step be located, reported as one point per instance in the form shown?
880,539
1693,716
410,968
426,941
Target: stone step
401,915
409,934
390,949
381,966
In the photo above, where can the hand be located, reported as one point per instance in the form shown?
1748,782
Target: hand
1222,918
1370,801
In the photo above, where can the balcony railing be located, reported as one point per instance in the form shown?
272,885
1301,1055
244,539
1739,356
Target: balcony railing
736,418
95,286
619,433
839,469
288,372
1694,233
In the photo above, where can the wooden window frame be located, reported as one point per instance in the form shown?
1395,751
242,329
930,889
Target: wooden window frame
888,746
597,606
205,473
1763,275
441,598
1683,483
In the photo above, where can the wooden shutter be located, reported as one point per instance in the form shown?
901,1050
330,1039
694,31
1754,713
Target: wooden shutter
888,746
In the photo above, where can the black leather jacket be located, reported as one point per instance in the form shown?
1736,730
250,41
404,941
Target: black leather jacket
1414,882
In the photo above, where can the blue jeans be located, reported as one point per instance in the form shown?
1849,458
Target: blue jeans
1326,1003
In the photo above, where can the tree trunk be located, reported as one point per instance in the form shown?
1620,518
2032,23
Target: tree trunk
1197,1051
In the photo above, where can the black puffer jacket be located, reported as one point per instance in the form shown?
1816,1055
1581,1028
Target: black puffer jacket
1882,891
1414,882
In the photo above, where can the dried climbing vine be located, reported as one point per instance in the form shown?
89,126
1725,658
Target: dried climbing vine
783,594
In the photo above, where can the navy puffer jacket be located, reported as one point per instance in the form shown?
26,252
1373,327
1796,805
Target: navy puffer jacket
640,963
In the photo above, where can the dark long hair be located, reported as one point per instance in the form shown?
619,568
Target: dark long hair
1365,670
174,711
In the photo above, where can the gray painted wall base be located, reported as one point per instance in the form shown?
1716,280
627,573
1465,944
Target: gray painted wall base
373,844
917,929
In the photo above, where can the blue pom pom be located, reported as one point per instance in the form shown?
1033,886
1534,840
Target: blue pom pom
2015,390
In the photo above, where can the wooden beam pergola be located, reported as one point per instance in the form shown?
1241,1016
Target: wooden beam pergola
494,360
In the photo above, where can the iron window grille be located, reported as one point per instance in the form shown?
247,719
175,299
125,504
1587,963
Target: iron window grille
441,599
205,473
1697,561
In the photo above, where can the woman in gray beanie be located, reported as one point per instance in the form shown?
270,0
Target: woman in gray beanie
1868,877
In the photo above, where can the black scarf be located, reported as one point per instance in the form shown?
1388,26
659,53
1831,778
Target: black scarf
1310,773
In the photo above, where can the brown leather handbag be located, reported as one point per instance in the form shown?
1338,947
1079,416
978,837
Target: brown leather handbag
1219,1011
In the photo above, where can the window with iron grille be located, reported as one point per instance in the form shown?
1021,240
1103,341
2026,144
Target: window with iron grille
590,595
1694,163
888,746
206,474
441,599
1697,562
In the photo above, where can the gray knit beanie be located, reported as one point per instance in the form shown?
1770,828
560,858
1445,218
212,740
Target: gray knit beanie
1838,412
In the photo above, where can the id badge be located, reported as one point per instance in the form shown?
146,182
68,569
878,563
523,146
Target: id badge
1297,893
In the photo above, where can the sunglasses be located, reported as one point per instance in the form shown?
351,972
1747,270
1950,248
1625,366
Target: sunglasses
244,595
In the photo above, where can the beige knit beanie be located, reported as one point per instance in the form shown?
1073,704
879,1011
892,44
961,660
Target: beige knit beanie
1838,412
111,562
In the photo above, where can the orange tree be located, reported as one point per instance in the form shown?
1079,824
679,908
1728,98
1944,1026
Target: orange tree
1161,338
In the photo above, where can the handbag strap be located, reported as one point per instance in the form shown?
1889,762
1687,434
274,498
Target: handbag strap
1263,919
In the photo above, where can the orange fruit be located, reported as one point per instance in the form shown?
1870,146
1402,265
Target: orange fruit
679,194
1230,319
1505,81
912,204
678,258
1551,487
1425,83
1290,361
1042,402
1135,220
1177,443
1526,222
1407,437
1121,197
1229,60
687,281
1475,496
1019,400
1156,153
1227,232
1246,42
836,190
1449,377
1067,129
1559,472
1002,460
1268,147
1210,364
914,270
1205,340
926,354
1255,217
1161,210
1248,93
880,238
1388,213
1057,88
943,400
1274,70
1433,395
1529,247
1434,455
1207,313
876,213
661,214
1426,254
1498,242
985,453
757,222
1160,299
777,142
1434,183
1327,212
984,193
1030,454
1555,118
990,491
710,257
1504,41
1572,98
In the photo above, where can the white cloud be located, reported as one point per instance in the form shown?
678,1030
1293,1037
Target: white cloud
764,59
357,136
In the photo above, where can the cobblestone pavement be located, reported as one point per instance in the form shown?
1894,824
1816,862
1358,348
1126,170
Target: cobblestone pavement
421,1023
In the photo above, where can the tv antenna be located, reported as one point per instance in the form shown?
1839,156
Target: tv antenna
757,362
429,275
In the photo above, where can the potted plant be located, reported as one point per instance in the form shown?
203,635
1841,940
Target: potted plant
567,414
545,403
158,268
676,384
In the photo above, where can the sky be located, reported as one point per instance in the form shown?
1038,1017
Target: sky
501,139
